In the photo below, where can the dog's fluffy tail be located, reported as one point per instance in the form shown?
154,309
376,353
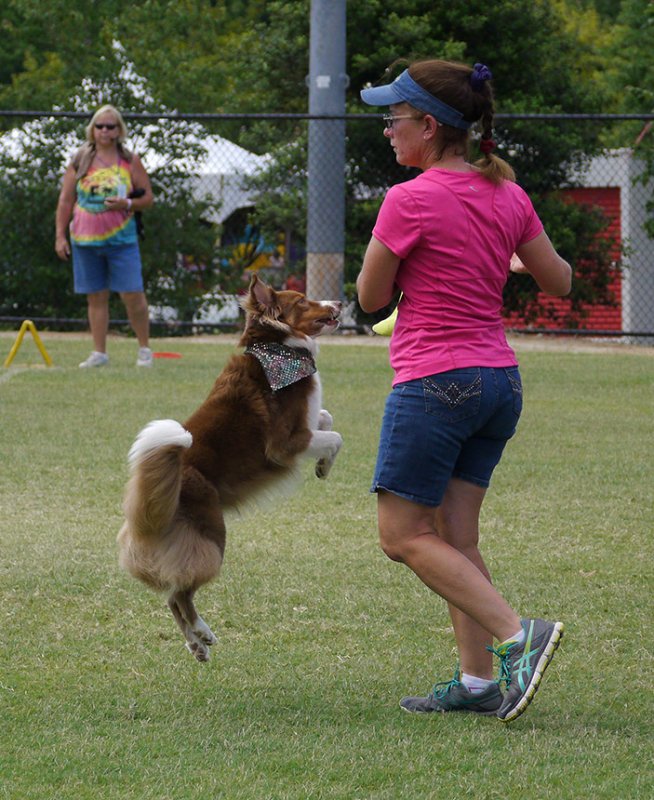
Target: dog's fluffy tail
155,461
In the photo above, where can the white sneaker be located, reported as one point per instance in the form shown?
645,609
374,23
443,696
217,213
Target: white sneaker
96,359
144,358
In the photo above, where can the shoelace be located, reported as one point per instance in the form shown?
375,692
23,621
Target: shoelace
447,687
504,655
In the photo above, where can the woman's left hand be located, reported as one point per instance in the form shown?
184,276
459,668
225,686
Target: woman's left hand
117,204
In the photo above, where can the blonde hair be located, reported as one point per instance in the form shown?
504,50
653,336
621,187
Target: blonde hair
107,109
84,156
449,81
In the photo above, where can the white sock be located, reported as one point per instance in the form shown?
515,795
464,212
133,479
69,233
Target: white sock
474,684
518,638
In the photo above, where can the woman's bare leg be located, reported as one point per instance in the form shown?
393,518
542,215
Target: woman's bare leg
136,306
408,534
457,523
98,313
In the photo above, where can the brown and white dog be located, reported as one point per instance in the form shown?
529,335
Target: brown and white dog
263,414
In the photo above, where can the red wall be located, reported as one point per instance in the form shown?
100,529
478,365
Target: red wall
596,317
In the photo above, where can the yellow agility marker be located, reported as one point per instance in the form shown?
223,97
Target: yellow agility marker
28,325
385,326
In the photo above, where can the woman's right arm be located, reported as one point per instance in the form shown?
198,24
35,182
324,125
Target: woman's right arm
376,281
65,206
552,273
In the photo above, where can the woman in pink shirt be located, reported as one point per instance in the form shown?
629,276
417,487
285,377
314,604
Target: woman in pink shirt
446,240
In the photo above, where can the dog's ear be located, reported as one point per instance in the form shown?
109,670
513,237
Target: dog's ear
260,302
261,294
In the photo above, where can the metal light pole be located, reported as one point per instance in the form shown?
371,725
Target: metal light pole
326,201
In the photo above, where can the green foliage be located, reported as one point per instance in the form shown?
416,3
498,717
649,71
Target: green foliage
273,59
55,45
634,76
635,41
182,46
594,33
32,279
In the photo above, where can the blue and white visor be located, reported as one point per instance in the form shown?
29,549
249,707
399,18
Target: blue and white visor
405,90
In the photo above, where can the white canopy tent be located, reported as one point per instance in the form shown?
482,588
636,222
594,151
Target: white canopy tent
221,175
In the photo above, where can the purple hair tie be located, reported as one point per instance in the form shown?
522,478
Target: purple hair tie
480,74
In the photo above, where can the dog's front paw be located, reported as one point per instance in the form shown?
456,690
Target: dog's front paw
325,420
324,464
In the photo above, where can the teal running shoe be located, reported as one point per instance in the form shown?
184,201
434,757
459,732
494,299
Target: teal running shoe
453,696
522,665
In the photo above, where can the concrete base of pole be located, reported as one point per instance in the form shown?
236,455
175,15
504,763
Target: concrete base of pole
325,276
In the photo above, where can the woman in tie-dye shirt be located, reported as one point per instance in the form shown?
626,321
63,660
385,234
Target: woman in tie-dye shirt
102,188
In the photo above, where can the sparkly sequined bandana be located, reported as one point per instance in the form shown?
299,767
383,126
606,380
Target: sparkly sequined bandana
283,365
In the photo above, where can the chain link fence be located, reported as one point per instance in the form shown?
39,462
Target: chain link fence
231,198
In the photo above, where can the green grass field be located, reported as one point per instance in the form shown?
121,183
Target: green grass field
319,634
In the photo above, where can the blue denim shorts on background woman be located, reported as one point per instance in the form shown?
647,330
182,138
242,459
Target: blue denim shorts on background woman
453,424
99,267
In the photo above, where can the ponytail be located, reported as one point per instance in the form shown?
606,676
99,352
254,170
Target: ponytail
493,167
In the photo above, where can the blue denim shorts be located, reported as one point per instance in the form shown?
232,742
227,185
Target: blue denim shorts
115,267
450,425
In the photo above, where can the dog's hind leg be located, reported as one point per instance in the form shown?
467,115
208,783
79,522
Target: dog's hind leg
199,636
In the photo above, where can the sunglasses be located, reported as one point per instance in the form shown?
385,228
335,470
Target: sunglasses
102,125
389,119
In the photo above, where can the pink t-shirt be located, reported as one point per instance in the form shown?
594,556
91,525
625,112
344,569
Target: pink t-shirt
455,233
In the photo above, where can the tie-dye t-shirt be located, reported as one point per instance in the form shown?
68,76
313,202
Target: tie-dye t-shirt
93,224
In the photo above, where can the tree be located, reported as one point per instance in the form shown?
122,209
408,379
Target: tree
634,79
632,51
183,46
55,45
593,31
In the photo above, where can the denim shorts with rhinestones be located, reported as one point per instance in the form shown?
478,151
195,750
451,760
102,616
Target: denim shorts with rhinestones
450,425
